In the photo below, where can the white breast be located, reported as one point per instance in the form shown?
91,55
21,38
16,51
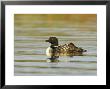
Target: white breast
49,51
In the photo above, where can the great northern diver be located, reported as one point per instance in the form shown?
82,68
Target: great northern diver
66,49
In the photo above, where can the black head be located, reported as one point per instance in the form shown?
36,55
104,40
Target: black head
53,41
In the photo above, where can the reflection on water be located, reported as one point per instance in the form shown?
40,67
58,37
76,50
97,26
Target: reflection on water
54,57
31,31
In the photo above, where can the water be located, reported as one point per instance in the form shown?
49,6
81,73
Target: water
29,48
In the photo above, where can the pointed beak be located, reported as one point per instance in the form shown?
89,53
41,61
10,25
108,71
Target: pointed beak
46,40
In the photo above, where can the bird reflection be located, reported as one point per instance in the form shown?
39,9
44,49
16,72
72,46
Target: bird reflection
55,56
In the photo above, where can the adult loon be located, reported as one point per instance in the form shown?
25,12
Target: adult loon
59,50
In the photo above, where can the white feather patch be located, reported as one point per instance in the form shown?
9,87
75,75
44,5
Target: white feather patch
49,51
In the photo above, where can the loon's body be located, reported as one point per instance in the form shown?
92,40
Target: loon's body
66,49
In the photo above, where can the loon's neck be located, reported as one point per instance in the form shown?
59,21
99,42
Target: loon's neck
54,45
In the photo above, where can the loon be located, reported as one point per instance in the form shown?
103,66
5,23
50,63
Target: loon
59,50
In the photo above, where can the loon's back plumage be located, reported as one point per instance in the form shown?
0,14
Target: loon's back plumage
66,48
